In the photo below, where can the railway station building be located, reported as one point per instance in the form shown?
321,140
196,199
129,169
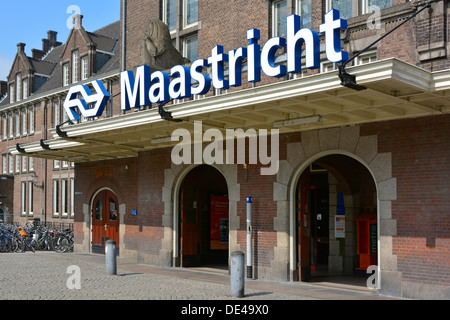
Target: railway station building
340,150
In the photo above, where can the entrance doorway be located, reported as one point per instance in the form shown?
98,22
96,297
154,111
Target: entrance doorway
105,220
333,194
204,218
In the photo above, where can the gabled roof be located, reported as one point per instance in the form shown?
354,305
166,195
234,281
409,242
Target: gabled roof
106,39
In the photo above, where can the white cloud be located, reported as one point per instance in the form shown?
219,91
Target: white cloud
5,65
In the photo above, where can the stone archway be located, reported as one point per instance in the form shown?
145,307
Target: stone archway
173,178
314,145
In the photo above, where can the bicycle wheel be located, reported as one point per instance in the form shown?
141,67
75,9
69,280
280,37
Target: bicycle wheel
13,245
58,244
64,244
20,245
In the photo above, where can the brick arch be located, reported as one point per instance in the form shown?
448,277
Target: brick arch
313,146
173,178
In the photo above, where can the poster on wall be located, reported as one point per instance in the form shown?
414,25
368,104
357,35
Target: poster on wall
219,223
339,227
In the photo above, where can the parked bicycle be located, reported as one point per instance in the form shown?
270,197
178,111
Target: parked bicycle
30,237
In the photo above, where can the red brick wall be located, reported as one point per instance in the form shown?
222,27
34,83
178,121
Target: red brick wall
420,156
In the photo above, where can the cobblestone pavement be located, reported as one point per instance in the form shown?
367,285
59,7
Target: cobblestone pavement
46,276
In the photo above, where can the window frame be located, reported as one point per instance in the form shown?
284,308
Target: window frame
185,4
66,74
275,18
84,67
30,198
75,66
55,200
23,197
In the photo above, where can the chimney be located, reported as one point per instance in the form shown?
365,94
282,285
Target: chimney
50,41
37,54
51,36
77,21
3,88
21,47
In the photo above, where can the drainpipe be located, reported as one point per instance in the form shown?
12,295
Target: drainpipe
124,4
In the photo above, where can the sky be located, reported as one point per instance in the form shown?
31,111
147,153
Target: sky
28,21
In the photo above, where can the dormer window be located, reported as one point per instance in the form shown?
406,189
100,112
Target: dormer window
12,93
65,74
75,66
84,68
25,88
18,87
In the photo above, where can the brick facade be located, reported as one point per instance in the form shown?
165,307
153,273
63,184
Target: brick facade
396,168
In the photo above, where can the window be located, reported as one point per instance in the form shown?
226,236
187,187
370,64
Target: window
11,163
303,9
190,10
24,121
170,14
4,126
352,8
65,74
12,93
24,164
382,4
75,71
345,7
31,119
4,164
327,66
11,125
366,57
191,48
84,68
25,88
181,16
30,164
55,164
17,162
64,200
17,118
30,197
18,87
279,14
55,197
24,197
56,118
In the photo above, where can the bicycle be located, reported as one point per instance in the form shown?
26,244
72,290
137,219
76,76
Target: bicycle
63,241
25,241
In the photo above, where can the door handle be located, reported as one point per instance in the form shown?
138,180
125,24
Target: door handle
106,226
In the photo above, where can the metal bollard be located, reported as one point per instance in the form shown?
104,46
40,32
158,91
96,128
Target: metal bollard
110,257
237,274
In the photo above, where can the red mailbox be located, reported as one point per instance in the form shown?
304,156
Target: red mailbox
366,235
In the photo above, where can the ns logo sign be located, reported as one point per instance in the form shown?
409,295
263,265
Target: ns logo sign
98,100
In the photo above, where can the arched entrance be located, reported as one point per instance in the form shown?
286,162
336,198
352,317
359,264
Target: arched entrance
203,218
105,219
336,214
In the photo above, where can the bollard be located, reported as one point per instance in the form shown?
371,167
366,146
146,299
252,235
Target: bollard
110,257
237,274
249,238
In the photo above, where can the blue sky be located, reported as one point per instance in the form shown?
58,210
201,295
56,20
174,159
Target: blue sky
28,21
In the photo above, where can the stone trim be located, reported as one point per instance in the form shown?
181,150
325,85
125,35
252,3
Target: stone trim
173,178
345,141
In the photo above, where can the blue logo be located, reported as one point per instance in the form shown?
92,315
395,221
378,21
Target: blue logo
98,100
